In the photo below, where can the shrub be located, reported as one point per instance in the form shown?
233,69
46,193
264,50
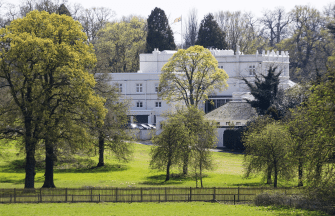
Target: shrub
296,201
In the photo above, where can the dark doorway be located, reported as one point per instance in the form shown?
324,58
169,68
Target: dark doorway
141,118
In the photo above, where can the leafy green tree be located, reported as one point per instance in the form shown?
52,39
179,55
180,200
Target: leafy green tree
186,137
210,35
43,58
320,113
113,134
201,155
159,32
167,152
119,45
301,133
264,90
266,149
190,76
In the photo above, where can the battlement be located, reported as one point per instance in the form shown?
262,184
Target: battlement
218,52
274,54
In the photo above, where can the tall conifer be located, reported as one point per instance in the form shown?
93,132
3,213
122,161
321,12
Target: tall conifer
63,10
159,32
210,34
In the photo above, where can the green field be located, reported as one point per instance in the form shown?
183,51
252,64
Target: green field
194,208
79,171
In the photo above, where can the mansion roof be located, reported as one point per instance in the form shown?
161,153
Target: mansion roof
233,110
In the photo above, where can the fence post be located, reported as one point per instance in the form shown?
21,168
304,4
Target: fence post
190,193
238,194
159,197
41,195
91,196
234,199
99,197
214,195
141,194
165,195
14,195
65,194
115,194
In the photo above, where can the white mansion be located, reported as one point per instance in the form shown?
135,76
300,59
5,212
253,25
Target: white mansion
141,87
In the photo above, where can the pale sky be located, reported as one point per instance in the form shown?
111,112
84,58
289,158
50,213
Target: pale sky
177,8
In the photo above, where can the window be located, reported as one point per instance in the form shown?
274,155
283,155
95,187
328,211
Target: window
156,87
221,67
238,123
158,104
139,87
120,87
139,104
252,70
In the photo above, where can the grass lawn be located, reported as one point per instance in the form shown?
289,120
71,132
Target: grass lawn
80,172
194,208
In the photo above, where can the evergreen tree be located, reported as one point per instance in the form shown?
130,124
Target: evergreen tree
63,10
210,34
264,92
159,32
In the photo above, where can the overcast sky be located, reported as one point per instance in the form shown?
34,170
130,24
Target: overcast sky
177,8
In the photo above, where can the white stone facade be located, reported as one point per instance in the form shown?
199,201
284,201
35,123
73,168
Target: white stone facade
141,86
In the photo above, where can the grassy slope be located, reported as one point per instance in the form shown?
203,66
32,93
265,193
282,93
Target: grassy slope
79,173
194,208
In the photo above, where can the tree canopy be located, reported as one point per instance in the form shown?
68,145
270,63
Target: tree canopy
190,76
159,32
119,45
210,35
266,147
185,141
44,64
264,90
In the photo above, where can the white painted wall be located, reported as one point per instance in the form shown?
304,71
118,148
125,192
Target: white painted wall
236,66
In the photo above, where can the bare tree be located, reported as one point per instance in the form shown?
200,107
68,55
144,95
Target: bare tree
94,19
309,46
276,24
191,28
241,29
329,11
49,6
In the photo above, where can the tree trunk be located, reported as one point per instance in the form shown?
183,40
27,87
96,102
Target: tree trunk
269,171
276,175
49,166
200,168
185,165
30,154
196,177
318,170
101,151
300,183
30,165
168,170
